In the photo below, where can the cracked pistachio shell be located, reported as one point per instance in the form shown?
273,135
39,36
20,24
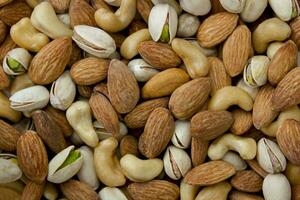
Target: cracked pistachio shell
285,9
182,134
256,71
160,16
9,168
94,41
196,7
111,193
63,91
172,3
29,99
59,174
233,6
235,160
270,157
104,134
142,70
176,162
250,90
16,61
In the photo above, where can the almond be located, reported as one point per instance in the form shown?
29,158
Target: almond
81,13
138,116
60,6
118,38
287,92
187,99
124,92
102,88
8,136
159,55
242,121
247,181
157,134
282,62
216,28
199,150
209,173
155,189
257,168
288,138
209,124
97,4
89,71
85,90
3,31
129,145
6,46
33,191
4,80
8,193
76,190
236,50
216,6
295,27
164,83
49,131
296,192
76,54
144,7
50,62
32,156
137,25
235,195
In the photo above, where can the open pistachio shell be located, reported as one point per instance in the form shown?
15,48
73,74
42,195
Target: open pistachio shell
16,61
104,134
9,169
64,165
285,9
172,3
196,7
142,70
94,41
30,98
182,134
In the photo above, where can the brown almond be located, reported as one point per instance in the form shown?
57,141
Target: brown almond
216,28
209,173
33,191
118,38
216,7
97,4
102,88
199,150
4,80
187,99
247,181
32,156
137,118
76,54
76,190
85,90
144,7
8,137
159,55
3,31
137,25
157,134
242,121
235,195
50,62
155,189
8,193
257,168
209,124
14,11
129,145
6,46
89,71
81,13
295,27
60,6
296,192
236,50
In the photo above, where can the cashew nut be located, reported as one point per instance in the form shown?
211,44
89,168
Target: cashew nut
115,22
246,147
107,165
218,191
290,113
228,96
188,192
6,111
195,61
130,45
139,170
25,35
270,30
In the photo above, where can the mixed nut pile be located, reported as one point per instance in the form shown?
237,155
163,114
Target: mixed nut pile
149,100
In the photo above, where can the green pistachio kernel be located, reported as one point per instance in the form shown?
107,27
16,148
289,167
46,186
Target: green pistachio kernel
165,35
15,65
72,157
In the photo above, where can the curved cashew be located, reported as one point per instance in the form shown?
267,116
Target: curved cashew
107,165
130,45
114,22
195,61
228,96
45,20
6,111
26,36
139,170
217,191
270,30
246,147
188,192
290,113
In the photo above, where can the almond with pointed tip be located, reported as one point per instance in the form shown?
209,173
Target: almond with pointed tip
60,6
242,121
199,150
76,190
247,181
8,136
81,13
33,191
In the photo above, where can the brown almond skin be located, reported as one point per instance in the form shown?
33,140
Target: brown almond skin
50,62
157,134
89,71
242,122
33,191
262,113
102,88
136,25
14,11
155,189
216,28
137,118
295,27
187,99
144,7
81,13
60,6
236,195
236,50
209,173
287,92
85,90
8,137
129,145
288,138
247,181
97,4
3,31
4,81
76,190
7,45
209,124
159,55
199,150
296,192
49,131
9,193
216,7
253,164
76,54
282,62
32,156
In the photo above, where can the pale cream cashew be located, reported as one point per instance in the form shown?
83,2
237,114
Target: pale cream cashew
6,111
188,192
218,191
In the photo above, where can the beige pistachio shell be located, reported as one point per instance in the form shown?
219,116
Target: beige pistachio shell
285,9
112,193
142,70
253,9
21,55
182,134
116,3
250,90
235,160
196,7
233,6
9,169
276,187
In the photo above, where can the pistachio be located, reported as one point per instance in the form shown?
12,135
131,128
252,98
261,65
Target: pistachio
196,7
285,9
172,3
187,25
29,99
104,134
182,134
65,18
276,187
233,6
235,160
9,169
163,23
16,61
94,41
63,91
142,70
64,165
24,125
250,90
253,9
270,157
112,193
176,162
